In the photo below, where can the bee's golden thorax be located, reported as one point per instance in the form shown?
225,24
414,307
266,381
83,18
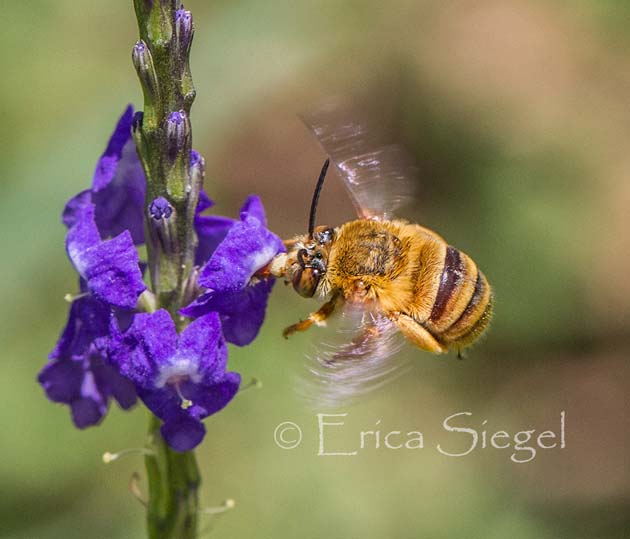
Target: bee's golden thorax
370,249
370,260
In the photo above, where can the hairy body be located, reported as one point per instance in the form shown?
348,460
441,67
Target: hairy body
433,292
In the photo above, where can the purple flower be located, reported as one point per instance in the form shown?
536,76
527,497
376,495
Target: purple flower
246,247
110,276
107,350
110,268
119,184
118,187
211,229
113,208
181,378
78,374
242,312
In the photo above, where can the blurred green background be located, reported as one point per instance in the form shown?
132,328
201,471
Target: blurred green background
518,113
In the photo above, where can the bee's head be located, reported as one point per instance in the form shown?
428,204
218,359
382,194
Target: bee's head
309,260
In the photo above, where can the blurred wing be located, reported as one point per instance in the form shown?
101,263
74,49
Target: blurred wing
357,358
379,179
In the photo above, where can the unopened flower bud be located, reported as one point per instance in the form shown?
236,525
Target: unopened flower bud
183,33
177,133
160,209
182,39
143,62
162,225
197,170
194,183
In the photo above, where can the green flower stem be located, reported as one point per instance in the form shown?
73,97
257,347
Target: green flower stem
167,87
161,60
174,480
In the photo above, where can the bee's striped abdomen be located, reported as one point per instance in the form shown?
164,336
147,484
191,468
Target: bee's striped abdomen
475,317
462,307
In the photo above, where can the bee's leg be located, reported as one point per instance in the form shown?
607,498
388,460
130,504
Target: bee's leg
417,334
317,317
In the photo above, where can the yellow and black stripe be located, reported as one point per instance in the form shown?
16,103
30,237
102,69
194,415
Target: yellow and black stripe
462,307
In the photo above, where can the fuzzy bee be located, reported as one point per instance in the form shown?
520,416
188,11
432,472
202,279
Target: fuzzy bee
401,276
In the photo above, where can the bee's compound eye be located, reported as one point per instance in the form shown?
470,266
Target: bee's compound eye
305,281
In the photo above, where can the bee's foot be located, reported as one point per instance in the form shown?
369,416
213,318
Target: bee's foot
287,332
302,325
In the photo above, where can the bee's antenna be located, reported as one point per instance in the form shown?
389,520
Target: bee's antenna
318,189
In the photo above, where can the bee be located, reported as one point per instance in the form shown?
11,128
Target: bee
407,277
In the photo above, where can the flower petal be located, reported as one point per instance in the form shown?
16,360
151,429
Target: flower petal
183,429
183,434
208,399
203,341
211,231
110,382
107,164
88,324
242,312
62,380
113,273
119,184
111,268
76,207
205,201
87,412
163,401
82,232
253,207
149,342
86,385
247,247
